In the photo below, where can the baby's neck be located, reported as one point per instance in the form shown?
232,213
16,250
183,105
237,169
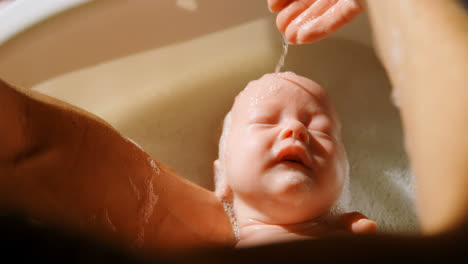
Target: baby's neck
254,232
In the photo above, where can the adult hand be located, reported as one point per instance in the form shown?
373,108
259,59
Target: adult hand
306,21
60,165
347,223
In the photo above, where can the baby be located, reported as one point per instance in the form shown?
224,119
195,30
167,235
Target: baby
282,165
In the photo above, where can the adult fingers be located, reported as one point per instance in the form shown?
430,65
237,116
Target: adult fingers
364,226
291,12
357,223
335,17
302,12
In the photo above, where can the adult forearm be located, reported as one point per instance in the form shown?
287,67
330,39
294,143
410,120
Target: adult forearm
424,48
62,165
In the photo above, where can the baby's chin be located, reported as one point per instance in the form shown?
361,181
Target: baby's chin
292,187
296,190
290,177
290,181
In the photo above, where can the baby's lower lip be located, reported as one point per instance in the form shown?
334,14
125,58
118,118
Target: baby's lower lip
290,166
293,164
293,161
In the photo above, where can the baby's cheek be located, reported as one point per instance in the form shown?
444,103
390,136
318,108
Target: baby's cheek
330,147
321,123
323,146
260,139
326,155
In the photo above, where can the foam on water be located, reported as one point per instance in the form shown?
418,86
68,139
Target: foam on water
228,208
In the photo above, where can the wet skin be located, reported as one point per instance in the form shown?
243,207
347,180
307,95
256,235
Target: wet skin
306,21
284,162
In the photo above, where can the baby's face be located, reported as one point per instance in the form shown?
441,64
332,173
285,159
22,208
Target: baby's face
283,152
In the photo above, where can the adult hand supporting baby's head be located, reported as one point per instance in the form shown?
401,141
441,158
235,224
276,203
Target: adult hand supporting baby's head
306,21
336,224
354,223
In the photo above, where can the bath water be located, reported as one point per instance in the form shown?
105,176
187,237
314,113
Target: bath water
283,55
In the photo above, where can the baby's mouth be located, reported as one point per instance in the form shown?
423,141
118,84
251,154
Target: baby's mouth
292,158
293,154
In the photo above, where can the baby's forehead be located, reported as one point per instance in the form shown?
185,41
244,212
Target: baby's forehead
272,84
269,83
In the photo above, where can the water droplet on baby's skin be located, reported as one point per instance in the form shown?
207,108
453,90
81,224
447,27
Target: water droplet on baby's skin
251,101
273,88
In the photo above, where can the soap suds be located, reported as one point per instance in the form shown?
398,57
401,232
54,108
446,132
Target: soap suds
154,166
148,203
228,208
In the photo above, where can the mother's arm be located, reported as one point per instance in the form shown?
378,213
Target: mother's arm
424,48
62,165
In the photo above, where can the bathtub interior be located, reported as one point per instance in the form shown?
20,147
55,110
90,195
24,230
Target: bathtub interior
167,86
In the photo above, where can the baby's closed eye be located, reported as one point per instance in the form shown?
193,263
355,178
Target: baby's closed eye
321,124
264,119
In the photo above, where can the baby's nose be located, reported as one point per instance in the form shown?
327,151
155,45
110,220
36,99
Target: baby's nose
295,130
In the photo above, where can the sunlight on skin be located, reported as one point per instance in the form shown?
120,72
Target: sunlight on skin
306,21
284,164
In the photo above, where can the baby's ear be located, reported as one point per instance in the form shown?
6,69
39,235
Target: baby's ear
222,189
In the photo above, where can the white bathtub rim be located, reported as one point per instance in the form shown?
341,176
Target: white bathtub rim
23,14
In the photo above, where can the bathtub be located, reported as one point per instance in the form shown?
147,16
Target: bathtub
164,74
